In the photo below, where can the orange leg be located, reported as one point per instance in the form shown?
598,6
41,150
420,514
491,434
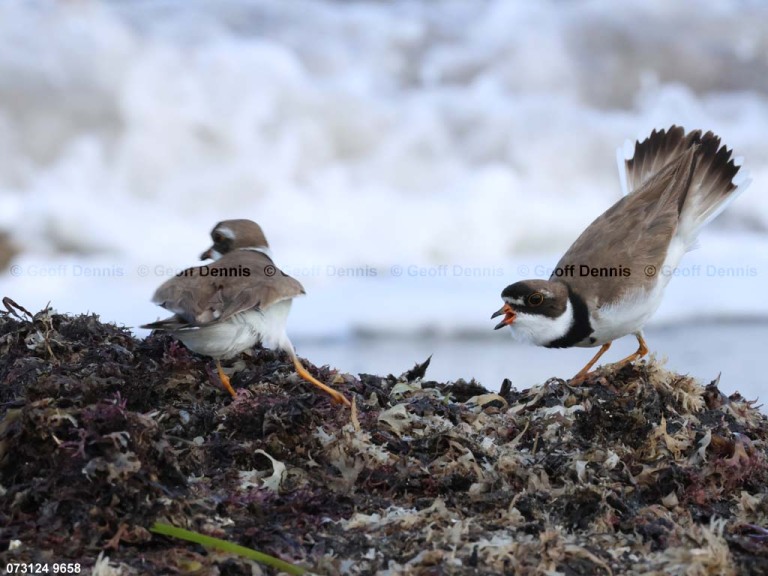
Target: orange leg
642,350
337,396
579,378
225,379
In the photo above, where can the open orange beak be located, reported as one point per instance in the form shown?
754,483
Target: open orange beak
509,316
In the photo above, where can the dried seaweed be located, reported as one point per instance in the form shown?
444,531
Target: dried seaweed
102,435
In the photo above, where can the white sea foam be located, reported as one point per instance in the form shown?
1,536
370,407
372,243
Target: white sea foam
362,136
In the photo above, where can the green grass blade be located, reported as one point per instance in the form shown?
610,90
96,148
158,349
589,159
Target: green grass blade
210,542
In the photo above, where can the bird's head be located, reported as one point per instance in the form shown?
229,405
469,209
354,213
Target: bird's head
538,311
230,235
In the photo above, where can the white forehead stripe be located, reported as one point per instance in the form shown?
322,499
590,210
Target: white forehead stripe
227,232
514,301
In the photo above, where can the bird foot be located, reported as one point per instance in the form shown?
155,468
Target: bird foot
225,381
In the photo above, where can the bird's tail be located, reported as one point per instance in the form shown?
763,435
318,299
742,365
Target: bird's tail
713,170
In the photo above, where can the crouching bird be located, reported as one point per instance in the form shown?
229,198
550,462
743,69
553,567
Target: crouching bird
241,299
612,279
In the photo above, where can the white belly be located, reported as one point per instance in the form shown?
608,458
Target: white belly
626,317
630,314
240,332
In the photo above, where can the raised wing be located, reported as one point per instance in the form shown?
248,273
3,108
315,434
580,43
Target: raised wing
652,154
634,233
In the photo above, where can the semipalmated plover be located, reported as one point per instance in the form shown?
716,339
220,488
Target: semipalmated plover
612,279
228,306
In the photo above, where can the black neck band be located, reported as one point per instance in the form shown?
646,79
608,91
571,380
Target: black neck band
580,329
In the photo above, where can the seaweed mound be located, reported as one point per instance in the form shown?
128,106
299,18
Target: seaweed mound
102,434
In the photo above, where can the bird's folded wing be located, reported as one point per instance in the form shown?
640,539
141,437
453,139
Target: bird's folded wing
238,281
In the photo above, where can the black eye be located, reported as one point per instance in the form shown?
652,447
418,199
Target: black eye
535,299
217,238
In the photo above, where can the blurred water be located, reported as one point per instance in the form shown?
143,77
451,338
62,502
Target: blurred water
732,349
360,132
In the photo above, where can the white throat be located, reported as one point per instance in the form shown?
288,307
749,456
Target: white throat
542,330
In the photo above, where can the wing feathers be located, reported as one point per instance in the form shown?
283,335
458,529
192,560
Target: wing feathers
676,183
238,281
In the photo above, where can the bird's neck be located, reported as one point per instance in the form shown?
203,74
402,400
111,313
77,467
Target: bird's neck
574,324
263,249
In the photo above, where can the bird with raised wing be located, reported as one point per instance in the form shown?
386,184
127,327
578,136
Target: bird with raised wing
612,279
